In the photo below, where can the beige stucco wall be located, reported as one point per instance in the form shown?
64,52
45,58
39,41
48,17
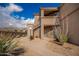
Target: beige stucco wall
49,20
36,22
48,31
71,22
36,33
36,30
68,8
74,28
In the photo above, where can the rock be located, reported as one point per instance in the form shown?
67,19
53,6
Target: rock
17,51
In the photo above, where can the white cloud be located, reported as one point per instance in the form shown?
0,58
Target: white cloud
6,20
13,7
30,20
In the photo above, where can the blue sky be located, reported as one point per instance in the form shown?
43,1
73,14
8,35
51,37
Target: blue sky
18,12
30,8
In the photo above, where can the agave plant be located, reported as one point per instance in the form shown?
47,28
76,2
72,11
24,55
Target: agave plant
63,38
7,43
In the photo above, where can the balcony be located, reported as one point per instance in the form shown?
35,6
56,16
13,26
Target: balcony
50,20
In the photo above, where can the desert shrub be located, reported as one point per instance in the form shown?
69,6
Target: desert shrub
63,38
7,43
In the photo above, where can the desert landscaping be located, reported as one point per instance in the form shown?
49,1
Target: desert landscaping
54,31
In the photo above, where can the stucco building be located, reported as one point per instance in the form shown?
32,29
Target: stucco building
54,21
45,22
69,16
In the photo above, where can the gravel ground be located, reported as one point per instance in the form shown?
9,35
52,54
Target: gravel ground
46,47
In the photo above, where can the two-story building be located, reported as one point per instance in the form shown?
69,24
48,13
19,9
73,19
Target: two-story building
45,22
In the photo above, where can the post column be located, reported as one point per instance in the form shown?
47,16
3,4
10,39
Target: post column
42,25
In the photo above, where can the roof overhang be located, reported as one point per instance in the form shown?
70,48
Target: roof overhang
50,10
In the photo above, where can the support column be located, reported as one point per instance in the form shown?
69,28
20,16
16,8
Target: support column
42,25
